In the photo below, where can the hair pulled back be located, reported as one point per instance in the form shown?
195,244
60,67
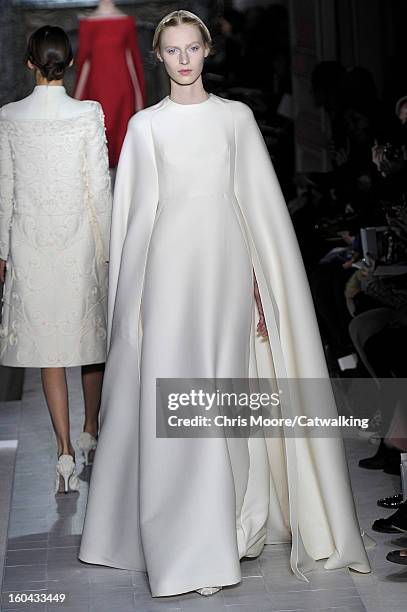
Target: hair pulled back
49,49
177,18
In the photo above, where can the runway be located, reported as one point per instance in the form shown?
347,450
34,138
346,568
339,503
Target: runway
39,537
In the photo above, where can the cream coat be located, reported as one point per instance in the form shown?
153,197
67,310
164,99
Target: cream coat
55,208
197,206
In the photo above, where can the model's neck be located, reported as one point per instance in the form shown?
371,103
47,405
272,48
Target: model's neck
188,94
40,80
107,7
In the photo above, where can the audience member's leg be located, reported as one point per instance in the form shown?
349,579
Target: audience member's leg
327,284
364,327
382,349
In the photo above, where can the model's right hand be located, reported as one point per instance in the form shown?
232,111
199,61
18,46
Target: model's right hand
3,268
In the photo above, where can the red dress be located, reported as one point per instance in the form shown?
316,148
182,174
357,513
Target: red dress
110,70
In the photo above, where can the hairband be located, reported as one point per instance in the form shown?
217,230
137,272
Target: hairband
187,13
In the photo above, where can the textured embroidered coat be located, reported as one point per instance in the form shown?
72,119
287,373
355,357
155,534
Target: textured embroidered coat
55,207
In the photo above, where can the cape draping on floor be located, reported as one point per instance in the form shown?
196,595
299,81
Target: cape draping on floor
318,480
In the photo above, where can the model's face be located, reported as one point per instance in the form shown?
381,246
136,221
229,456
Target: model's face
183,52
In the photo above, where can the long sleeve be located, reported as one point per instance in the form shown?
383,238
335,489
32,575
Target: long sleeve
134,208
98,179
6,190
137,64
82,60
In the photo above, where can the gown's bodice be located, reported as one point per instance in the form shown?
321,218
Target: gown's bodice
105,40
193,151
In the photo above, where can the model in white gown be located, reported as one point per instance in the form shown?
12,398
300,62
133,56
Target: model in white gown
197,207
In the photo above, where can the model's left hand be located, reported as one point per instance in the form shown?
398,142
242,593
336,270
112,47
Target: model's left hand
261,327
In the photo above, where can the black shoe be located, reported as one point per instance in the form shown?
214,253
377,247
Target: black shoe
385,458
399,520
384,526
395,557
394,501
392,467
395,523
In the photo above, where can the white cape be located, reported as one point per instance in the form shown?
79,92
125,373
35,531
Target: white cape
188,529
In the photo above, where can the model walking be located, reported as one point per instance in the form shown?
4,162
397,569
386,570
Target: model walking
55,208
110,70
197,208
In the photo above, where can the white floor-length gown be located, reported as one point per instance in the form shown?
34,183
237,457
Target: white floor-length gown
197,207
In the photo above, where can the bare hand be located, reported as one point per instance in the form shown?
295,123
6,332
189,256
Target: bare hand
261,327
385,166
339,156
346,237
377,154
348,264
3,268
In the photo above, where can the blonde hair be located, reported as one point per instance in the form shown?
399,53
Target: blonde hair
177,18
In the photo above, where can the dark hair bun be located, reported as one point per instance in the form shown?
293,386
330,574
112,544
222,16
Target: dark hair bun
50,51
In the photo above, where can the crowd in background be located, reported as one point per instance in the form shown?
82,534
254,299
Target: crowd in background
351,221
366,186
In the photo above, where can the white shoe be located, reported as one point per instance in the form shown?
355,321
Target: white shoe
87,443
66,468
208,590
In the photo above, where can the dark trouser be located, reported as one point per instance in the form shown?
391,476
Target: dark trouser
380,338
327,284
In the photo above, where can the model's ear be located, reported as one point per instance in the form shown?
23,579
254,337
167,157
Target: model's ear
30,65
159,56
206,52
70,63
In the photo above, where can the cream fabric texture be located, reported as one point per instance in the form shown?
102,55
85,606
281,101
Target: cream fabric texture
197,206
55,210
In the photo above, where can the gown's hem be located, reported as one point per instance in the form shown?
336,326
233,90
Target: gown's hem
353,568
13,364
181,590
108,563
194,586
